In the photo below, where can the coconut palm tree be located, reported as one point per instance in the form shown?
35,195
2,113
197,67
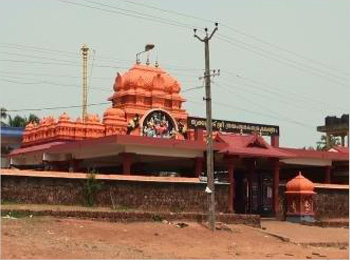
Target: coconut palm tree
18,121
3,113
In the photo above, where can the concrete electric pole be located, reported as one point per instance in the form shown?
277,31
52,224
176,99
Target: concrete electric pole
85,52
210,190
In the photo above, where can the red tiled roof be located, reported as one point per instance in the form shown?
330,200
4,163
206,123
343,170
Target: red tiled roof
35,148
303,153
248,145
116,139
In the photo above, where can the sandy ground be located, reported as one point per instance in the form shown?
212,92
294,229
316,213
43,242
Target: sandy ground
47,237
307,234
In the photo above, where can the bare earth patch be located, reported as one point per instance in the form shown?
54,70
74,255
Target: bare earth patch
48,238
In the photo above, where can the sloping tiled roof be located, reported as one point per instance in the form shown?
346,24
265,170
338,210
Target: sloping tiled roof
35,148
303,153
248,145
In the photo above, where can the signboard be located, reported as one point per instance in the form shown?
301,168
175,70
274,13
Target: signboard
234,127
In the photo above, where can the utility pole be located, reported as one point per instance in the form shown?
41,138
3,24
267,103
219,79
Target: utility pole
210,190
85,52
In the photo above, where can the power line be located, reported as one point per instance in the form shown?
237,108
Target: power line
50,83
158,20
168,11
50,51
283,49
230,106
231,28
282,61
262,106
279,56
10,80
55,108
47,75
302,101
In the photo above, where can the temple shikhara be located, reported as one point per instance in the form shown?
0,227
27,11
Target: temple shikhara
147,132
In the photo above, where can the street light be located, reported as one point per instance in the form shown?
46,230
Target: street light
148,47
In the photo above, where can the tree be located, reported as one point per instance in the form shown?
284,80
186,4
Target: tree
19,121
322,144
33,118
3,113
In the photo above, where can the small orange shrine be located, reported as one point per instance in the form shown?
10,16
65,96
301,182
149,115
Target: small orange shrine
300,199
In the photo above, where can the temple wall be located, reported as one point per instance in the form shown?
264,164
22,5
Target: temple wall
329,202
143,195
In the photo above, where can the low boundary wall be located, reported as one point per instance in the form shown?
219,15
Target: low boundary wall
132,192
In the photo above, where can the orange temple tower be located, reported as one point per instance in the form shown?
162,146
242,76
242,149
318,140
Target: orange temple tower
146,101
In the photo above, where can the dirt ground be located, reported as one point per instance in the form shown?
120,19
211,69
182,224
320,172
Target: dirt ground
48,238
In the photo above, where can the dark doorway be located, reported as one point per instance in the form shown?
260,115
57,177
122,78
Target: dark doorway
261,194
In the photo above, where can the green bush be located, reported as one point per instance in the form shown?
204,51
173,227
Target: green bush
91,187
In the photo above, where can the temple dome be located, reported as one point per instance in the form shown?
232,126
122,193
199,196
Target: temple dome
146,77
299,185
114,112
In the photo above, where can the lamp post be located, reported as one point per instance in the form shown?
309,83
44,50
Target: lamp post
148,47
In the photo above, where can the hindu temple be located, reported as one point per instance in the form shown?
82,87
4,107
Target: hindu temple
146,131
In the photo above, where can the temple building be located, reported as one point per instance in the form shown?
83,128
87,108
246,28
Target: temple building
146,131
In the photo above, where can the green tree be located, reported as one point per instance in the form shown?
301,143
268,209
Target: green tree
33,118
18,121
3,113
322,144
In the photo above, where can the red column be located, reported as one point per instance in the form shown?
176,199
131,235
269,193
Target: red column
276,181
328,174
198,167
251,171
199,134
231,195
275,140
126,160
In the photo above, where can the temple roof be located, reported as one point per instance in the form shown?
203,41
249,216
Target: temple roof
248,145
303,153
146,80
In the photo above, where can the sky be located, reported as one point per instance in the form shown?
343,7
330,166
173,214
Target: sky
284,63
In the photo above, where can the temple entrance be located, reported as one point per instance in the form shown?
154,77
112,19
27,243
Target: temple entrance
262,189
266,191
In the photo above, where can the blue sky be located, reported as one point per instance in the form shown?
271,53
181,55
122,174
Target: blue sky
283,62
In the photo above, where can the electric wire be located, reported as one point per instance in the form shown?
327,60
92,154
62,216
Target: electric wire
233,29
269,88
273,113
341,84
158,20
280,57
290,98
55,108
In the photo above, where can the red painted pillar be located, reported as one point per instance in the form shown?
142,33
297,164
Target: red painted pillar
126,160
328,177
251,171
231,195
275,140
199,135
198,167
276,181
